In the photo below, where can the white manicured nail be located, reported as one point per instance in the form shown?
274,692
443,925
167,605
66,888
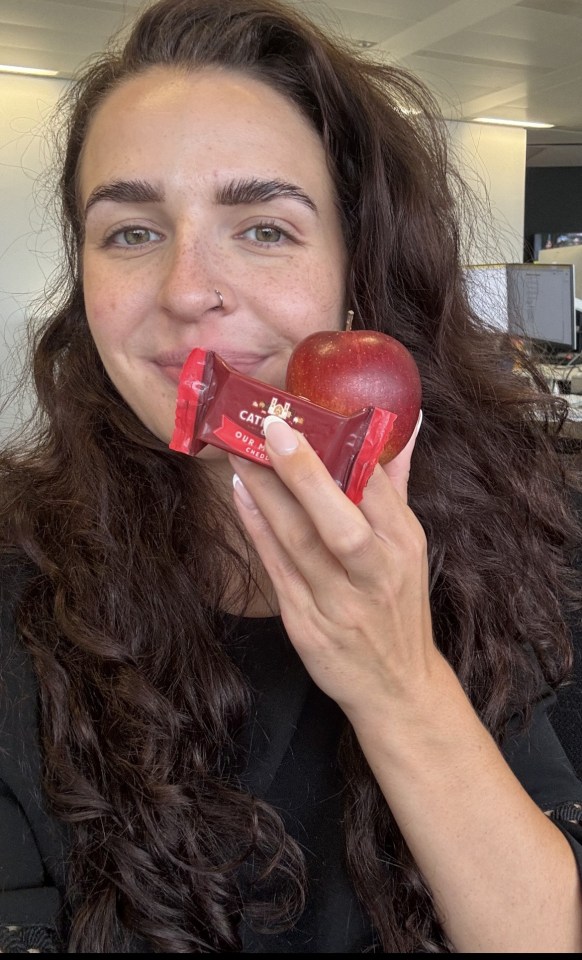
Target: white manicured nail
242,492
282,438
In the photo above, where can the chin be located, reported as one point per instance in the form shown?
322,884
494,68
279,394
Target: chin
162,431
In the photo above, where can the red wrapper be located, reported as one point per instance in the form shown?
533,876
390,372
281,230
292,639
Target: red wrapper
220,406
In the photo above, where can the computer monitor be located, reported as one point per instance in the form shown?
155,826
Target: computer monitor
571,254
530,300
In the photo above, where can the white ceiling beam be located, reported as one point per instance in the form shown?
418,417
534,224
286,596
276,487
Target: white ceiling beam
557,78
450,20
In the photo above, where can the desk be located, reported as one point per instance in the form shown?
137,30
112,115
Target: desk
570,437
562,378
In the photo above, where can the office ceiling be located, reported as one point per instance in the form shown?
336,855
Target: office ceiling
502,58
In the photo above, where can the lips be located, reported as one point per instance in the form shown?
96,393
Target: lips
171,362
243,363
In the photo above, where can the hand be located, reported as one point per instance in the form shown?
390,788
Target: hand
352,581
398,469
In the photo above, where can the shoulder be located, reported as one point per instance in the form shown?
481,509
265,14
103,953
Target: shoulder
19,737
15,574
21,794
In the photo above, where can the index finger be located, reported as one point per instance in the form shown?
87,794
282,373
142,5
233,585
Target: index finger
342,526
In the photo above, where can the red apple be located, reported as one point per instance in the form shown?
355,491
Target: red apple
345,370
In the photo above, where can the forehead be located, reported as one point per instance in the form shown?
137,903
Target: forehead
177,124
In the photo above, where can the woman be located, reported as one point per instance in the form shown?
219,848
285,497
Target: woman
272,720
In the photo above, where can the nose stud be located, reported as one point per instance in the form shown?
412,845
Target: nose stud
221,298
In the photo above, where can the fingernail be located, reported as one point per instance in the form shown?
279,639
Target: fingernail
282,438
242,492
417,427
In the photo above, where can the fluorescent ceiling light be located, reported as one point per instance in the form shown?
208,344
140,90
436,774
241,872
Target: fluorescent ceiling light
31,71
512,123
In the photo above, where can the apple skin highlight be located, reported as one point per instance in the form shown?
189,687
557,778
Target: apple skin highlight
345,370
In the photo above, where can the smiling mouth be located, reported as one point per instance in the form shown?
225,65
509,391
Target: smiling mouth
247,364
170,371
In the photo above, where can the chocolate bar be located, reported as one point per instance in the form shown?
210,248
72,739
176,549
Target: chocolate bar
219,406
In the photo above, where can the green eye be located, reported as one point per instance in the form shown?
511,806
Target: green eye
132,237
135,236
267,234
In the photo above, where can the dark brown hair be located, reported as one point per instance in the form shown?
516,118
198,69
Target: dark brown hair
131,554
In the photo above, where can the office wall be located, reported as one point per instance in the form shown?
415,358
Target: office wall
28,239
492,160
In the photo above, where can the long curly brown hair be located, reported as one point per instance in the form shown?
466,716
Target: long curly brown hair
132,555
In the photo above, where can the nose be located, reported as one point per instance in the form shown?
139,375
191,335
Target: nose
189,283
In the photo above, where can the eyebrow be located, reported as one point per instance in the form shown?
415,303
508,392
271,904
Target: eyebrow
255,190
248,190
125,191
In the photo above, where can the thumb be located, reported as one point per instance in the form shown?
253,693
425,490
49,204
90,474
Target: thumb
398,469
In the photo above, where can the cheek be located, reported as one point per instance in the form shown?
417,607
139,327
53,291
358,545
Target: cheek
322,297
100,301
305,301
103,313
111,310
324,282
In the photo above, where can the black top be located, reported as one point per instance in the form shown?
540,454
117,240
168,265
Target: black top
293,738
566,714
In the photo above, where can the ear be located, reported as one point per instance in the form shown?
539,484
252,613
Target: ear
398,469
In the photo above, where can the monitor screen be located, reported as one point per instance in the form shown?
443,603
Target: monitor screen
571,254
530,300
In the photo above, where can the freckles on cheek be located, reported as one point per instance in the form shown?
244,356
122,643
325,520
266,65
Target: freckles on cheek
102,313
102,335
324,283
103,299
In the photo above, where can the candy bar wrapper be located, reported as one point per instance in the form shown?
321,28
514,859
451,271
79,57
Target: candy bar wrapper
220,406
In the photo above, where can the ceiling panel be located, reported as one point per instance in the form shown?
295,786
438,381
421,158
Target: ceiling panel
569,8
536,53
524,23
412,10
363,26
466,71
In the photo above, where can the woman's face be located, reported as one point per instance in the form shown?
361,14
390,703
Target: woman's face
193,183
